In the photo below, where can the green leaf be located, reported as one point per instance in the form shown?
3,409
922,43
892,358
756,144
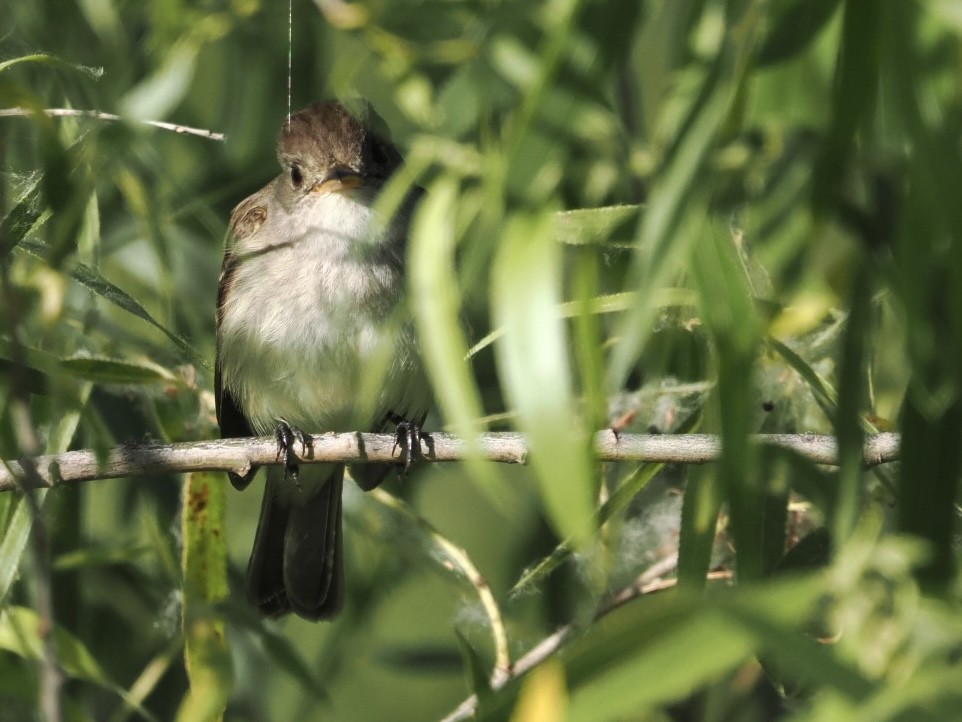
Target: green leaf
205,552
20,634
532,362
34,380
279,649
855,93
928,281
825,395
674,643
114,371
204,563
436,305
677,642
929,484
160,93
543,695
99,556
64,192
812,552
45,59
699,525
27,210
734,324
15,538
104,18
88,243
475,669
19,521
853,396
587,226
587,338
795,29
791,649
92,279
675,204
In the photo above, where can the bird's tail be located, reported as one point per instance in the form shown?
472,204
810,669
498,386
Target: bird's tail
297,561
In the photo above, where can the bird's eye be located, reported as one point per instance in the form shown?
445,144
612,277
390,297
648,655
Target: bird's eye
297,177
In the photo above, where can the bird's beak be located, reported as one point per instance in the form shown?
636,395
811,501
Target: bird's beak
339,178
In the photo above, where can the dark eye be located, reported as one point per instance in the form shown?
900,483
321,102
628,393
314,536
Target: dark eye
296,176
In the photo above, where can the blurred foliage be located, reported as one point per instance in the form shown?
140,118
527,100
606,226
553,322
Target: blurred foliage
723,215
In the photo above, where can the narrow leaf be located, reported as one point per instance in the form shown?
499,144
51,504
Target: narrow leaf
795,29
587,226
114,371
699,521
26,211
533,365
436,306
729,313
45,59
205,583
851,405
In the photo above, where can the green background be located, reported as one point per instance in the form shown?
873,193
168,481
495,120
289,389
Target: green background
697,215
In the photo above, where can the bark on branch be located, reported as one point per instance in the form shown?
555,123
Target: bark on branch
238,455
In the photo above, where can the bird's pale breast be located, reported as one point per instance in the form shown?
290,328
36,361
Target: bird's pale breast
306,314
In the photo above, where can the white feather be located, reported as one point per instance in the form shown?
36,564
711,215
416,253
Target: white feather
308,307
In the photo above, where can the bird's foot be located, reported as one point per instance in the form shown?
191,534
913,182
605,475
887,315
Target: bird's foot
286,435
407,436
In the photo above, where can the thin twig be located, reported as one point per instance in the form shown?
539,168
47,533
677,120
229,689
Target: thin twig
100,115
239,455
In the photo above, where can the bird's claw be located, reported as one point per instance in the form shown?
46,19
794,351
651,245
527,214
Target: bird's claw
407,436
286,435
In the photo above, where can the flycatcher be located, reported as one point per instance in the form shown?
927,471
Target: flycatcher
311,281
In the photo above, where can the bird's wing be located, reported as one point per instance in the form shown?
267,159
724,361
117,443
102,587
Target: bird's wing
245,219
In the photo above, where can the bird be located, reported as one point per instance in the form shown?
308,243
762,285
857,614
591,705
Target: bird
312,281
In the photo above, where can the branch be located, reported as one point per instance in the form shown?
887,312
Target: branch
99,115
239,455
